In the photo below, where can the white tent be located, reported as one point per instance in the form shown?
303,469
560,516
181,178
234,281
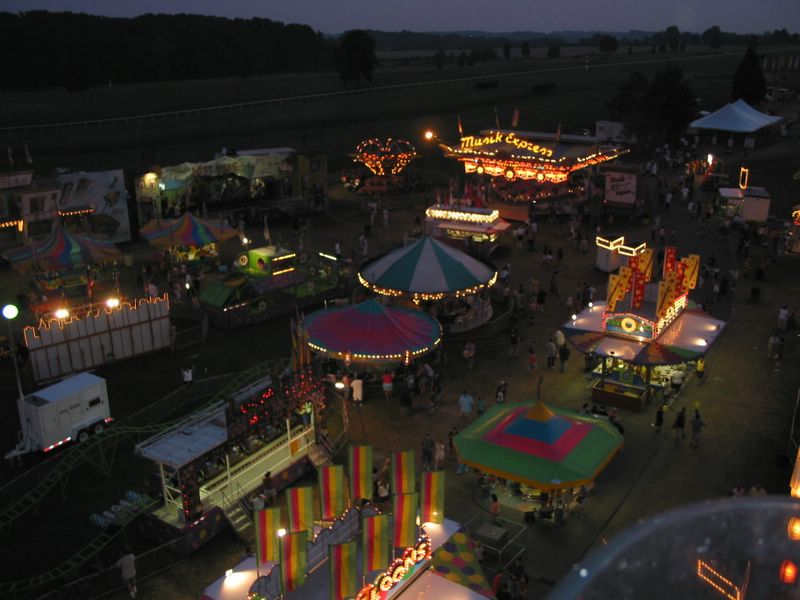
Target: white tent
738,117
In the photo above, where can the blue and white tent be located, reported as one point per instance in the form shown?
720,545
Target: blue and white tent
737,117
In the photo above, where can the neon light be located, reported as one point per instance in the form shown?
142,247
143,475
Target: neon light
328,256
723,585
744,178
282,271
398,570
672,313
618,245
284,257
476,215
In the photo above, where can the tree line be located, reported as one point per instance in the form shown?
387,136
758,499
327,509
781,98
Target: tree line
47,49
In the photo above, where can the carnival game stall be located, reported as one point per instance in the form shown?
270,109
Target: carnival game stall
188,239
267,282
749,204
539,456
432,272
645,331
471,228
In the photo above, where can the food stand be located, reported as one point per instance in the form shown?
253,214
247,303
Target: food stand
644,330
468,226
748,204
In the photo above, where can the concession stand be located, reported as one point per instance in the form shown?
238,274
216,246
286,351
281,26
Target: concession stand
644,330
473,227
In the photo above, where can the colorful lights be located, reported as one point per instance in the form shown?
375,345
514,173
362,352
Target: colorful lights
793,529
788,573
61,313
77,211
618,245
282,271
387,157
723,585
348,357
744,178
398,570
418,297
469,215
112,302
284,257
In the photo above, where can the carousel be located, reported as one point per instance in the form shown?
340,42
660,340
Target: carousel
429,270
188,239
541,455
645,331
372,333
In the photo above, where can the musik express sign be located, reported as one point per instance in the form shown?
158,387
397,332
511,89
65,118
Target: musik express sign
500,137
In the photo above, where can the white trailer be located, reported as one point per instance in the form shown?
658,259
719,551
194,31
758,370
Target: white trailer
70,410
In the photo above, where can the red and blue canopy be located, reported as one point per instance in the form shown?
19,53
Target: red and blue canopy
62,250
541,446
427,269
372,332
186,231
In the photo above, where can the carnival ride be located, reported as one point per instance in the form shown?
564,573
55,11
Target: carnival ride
529,155
380,166
188,239
370,332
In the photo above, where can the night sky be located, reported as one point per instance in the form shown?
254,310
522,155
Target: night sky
334,16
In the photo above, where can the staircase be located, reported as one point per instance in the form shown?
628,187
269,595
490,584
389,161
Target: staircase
319,457
239,518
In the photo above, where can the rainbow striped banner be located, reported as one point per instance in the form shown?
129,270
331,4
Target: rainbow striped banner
431,499
331,492
267,523
294,559
375,542
405,520
301,511
404,472
360,461
342,570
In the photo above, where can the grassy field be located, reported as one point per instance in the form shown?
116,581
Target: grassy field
335,124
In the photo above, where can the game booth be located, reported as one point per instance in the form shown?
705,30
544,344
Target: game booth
447,280
644,331
538,456
189,240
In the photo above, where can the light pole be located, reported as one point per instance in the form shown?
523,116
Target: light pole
10,313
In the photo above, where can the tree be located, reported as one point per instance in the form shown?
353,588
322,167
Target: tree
672,37
462,59
608,43
712,36
525,49
748,81
654,111
439,59
355,56
507,50
553,51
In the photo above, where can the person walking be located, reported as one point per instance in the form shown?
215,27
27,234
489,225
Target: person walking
551,354
563,356
500,394
388,384
659,422
428,447
438,454
697,429
494,509
465,405
513,340
531,361
357,387
701,370
450,443
783,318
679,424
127,566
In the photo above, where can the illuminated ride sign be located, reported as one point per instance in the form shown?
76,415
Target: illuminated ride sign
399,570
513,156
637,327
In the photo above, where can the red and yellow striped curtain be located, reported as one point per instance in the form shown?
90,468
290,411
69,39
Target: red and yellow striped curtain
405,520
404,472
432,497
331,492
267,523
342,570
360,462
294,560
299,501
375,542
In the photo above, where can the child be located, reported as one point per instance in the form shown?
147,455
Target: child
532,361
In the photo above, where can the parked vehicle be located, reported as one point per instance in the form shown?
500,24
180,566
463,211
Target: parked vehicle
68,411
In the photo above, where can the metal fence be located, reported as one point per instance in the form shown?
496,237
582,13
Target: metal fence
108,581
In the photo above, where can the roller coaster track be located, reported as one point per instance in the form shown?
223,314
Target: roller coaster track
12,589
81,453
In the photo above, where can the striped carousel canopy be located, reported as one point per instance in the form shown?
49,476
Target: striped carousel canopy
372,332
186,231
429,269
62,250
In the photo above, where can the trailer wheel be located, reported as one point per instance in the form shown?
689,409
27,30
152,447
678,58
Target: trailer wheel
98,427
83,435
